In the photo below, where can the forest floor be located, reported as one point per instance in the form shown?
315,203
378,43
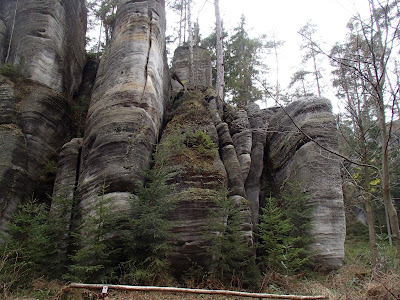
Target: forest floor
354,281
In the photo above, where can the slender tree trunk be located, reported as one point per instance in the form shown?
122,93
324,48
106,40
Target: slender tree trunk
99,44
220,82
387,197
180,24
12,33
368,204
192,83
184,23
304,87
381,69
316,71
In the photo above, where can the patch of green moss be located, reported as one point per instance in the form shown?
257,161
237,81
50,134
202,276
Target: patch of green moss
12,71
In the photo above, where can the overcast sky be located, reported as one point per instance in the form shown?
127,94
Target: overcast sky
283,18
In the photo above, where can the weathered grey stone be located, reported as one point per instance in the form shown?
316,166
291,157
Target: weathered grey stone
14,180
3,33
258,120
295,159
45,121
234,170
245,164
49,41
197,174
41,112
127,105
202,67
65,182
63,198
8,101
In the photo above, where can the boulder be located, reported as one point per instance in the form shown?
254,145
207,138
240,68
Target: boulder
295,160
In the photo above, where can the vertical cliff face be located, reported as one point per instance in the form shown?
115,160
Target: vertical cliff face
47,41
189,148
127,105
208,146
49,51
296,162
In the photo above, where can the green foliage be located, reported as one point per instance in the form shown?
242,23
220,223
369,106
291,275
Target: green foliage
179,141
105,12
242,65
283,234
79,111
12,71
149,238
232,255
26,250
129,246
91,262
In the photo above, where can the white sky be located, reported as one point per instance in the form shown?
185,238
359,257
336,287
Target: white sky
283,18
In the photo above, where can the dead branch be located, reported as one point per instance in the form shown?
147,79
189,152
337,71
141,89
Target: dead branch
191,291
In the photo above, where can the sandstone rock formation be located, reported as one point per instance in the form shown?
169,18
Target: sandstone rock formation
50,54
197,174
48,44
3,32
296,161
127,105
202,69
208,146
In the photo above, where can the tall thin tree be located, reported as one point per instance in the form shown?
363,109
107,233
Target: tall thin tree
12,33
220,82
190,40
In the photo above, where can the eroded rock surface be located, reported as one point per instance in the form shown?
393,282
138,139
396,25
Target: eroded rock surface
3,33
127,106
202,68
197,173
49,42
189,146
294,160
36,110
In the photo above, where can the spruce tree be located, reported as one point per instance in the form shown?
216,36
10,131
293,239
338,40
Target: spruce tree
232,255
283,236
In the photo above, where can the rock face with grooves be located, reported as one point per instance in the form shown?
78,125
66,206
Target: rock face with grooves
49,42
202,67
63,197
37,122
3,33
197,173
258,120
127,106
242,138
295,159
